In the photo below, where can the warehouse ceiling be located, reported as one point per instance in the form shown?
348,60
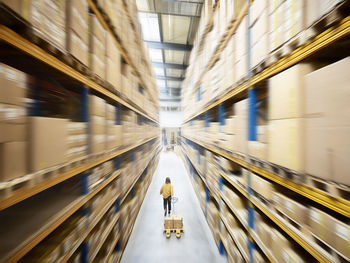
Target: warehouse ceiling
169,28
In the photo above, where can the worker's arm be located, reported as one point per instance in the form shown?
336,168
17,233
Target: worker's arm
161,189
172,191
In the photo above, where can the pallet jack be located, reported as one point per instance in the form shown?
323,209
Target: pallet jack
173,223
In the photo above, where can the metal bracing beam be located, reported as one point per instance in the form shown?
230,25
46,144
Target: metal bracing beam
175,99
169,65
166,45
169,13
170,78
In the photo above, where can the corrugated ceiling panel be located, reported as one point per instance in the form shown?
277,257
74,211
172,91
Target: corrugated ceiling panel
150,28
159,71
170,72
155,54
173,84
175,28
174,56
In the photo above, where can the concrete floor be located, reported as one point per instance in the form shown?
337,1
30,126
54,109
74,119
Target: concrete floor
148,244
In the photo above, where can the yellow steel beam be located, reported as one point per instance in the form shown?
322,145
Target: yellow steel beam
339,205
26,192
324,39
61,217
17,41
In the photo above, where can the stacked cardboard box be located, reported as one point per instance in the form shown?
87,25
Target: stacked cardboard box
327,134
241,50
241,138
77,29
282,249
296,211
259,31
276,18
113,131
13,124
294,15
47,142
286,112
48,17
97,44
97,124
77,140
330,230
113,68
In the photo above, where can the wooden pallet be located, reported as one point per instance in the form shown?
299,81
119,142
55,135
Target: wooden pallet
33,179
286,173
332,188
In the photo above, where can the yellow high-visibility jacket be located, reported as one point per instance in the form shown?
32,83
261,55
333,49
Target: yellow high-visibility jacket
167,190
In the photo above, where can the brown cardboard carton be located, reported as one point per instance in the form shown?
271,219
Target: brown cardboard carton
168,223
286,143
12,86
257,149
13,160
97,106
262,186
178,221
47,142
296,211
286,92
327,122
279,244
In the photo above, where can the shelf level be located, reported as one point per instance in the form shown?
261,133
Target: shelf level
321,41
20,43
25,193
338,205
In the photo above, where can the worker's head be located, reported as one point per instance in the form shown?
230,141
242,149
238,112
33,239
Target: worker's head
167,180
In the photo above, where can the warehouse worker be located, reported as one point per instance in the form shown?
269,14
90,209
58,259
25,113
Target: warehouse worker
167,191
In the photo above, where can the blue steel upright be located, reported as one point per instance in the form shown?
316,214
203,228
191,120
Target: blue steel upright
251,134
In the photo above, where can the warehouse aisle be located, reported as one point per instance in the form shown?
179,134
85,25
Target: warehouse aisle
147,243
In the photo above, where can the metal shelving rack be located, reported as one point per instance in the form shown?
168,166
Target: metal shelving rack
58,67
316,42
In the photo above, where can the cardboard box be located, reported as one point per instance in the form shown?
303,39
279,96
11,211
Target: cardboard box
296,211
47,142
13,160
264,232
257,149
260,28
178,221
168,223
97,106
279,244
12,86
327,138
262,186
286,143
287,91
330,230
13,123
77,18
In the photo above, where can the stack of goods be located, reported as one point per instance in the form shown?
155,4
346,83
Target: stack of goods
259,23
97,136
97,47
77,30
48,17
13,124
77,140
113,63
47,142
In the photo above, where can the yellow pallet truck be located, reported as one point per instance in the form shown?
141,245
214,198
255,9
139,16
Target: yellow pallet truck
173,223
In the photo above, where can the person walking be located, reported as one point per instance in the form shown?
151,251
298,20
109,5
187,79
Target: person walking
167,190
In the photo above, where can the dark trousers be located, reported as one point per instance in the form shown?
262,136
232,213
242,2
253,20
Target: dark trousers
167,202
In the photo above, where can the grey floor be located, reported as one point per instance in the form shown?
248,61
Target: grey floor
147,243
